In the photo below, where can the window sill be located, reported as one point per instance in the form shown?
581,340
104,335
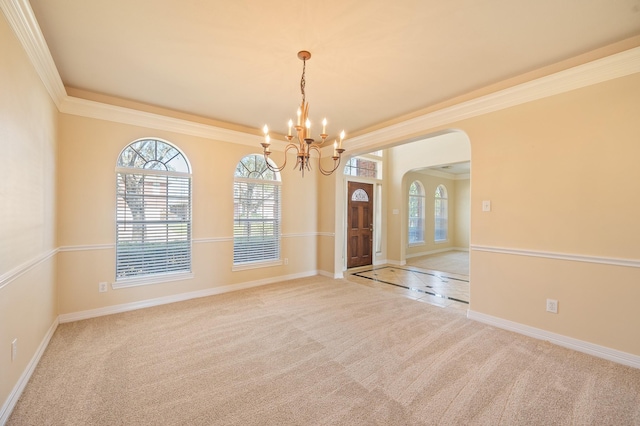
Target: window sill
155,279
255,265
441,241
416,244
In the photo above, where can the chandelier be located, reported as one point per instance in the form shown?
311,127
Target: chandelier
305,143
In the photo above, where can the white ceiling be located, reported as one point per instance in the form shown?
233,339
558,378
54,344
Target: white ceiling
372,60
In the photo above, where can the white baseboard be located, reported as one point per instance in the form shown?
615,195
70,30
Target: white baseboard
125,307
397,262
335,276
12,400
558,339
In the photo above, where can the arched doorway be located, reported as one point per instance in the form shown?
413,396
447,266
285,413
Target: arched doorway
427,152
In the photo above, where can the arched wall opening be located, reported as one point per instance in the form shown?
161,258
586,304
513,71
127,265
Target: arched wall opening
433,149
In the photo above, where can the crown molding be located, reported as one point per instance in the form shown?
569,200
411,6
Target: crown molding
598,71
98,110
20,16
24,24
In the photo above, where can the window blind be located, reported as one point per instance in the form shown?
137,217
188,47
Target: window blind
256,227
153,224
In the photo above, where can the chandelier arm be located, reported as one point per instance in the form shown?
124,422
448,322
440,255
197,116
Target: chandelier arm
336,160
305,143
278,169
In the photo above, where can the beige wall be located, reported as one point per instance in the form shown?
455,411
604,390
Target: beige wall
462,213
89,149
562,177
27,211
326,223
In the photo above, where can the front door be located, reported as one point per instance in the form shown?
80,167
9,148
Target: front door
360,224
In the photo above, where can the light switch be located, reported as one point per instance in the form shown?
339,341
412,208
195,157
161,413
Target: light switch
396,211
486,206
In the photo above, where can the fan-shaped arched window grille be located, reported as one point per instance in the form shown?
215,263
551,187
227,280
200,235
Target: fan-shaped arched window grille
360,195
256,222
153,210
416,213
441,214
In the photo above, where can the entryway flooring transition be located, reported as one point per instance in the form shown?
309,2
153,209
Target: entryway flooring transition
440,279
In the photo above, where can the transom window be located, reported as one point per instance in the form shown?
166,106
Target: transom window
256,225
153,210
361,167
416,213
441,214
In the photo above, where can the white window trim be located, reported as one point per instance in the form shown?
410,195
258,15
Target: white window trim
256,265
151,279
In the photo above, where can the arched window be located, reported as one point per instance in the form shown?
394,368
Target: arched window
153,210
441,214
256,221
416,213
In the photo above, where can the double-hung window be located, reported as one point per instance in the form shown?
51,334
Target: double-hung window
153,211
256,222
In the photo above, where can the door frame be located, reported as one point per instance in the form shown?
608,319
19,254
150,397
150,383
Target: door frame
360,247
377,215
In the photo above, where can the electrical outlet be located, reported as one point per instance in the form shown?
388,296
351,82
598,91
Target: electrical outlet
286,260
552,306
14,349
102,287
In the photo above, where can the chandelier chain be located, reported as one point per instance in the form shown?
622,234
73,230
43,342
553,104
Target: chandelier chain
302,80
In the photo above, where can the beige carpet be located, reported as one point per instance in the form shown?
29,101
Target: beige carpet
455,262
316,352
